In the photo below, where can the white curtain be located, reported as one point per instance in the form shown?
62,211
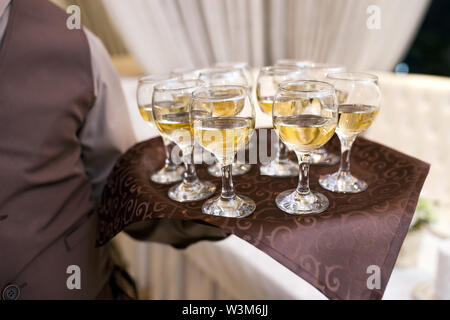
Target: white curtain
167,34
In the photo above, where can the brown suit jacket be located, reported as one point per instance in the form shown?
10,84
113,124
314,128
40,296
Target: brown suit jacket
47,221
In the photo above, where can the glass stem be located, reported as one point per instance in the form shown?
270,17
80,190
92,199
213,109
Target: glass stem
227,182
283,151
168,147
304,160
190,175
346,146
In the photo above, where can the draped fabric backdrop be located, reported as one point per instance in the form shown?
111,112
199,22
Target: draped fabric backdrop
167,34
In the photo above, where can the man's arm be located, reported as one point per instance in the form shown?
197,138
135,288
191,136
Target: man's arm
107,132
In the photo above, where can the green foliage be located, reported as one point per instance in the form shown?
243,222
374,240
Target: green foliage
423,215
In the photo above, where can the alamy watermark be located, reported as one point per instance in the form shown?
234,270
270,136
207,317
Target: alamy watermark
74,279
374,20
374,279
254,150
74,20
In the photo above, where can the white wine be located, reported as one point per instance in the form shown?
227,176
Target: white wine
175,127
165,107
305,132
222,108
181,99
223,136
355,118
266,103
296,106
146,113
304,106
282,108
231,105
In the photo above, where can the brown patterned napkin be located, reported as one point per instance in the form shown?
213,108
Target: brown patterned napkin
332,251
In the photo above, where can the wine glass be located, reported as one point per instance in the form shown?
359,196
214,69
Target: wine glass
267,84
241,66
318,71
170,172
188,73
223,121
171,100
225,76
304,117
359,102
295,63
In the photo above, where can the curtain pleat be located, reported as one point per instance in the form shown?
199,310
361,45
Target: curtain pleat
167,34
195,26
257,28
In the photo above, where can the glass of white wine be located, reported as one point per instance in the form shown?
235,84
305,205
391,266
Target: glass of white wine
267,82
305,118
223,121
319,71
225,76
171,100
241,66
359,102
170,172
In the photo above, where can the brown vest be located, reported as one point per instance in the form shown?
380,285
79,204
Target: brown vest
46,220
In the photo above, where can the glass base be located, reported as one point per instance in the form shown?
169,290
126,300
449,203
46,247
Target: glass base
185,192
324,157
236,207
168,174
276,168
342,182
238,169
292,202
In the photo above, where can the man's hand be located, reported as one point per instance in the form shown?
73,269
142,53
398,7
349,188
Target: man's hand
178,233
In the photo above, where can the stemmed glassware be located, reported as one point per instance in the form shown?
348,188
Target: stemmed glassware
187,73
170,172
223,121
295,63
225,76
241,66
305,115
359,102
318,72
267,82
171,101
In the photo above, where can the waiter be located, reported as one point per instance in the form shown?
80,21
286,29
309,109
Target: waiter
63,124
